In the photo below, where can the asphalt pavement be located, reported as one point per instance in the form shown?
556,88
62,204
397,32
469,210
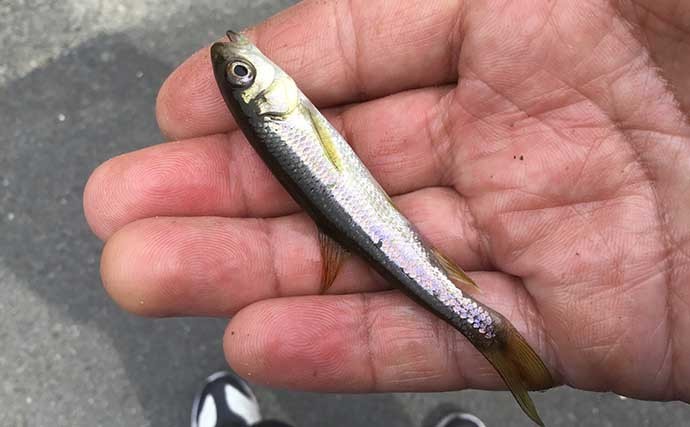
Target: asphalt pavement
78,81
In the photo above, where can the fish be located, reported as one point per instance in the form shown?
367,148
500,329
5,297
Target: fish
354,215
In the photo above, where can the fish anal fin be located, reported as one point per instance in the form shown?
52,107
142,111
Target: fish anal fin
519,366
332,257
325,138
456,274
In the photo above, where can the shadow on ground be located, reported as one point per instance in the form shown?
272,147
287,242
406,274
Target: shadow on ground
59,122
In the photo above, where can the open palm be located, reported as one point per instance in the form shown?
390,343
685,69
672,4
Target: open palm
542,145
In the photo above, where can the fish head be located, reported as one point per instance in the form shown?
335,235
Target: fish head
251,84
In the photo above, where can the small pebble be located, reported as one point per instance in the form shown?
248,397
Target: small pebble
107,56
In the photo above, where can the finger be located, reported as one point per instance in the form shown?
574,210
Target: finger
221,175
215,266
338,52
369,342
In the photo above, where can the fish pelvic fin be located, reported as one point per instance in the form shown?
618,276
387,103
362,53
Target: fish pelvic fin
456,274
519,366
332,257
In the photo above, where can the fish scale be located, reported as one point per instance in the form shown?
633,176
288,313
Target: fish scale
291,140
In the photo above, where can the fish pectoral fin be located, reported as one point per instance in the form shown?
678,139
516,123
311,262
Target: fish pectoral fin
332,257
456,274
324,135
519,366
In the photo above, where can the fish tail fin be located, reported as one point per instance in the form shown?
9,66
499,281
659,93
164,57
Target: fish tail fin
519,366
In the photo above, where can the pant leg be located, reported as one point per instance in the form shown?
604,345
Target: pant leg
271,423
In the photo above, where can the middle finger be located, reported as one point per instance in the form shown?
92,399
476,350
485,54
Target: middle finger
214,266
398,138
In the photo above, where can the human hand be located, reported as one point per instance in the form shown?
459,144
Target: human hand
542,145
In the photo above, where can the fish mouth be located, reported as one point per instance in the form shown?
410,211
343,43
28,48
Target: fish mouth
221,51
234,36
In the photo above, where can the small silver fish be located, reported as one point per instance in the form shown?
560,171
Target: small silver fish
353,213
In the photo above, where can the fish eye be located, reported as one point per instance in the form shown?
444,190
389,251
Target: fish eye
239,73
240,70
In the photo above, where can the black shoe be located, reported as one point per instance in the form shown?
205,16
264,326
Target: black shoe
225,401
460,419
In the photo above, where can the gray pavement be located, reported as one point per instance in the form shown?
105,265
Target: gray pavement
78,80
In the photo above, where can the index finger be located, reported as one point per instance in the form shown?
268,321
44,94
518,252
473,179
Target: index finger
337,51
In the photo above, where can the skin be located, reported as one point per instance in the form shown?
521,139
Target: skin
543,146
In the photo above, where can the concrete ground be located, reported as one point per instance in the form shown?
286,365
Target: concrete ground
78,80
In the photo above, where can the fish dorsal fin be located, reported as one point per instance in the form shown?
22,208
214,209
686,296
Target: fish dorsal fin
455,273
332,257
325,138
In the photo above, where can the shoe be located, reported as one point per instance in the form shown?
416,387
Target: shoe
460,419
225,400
